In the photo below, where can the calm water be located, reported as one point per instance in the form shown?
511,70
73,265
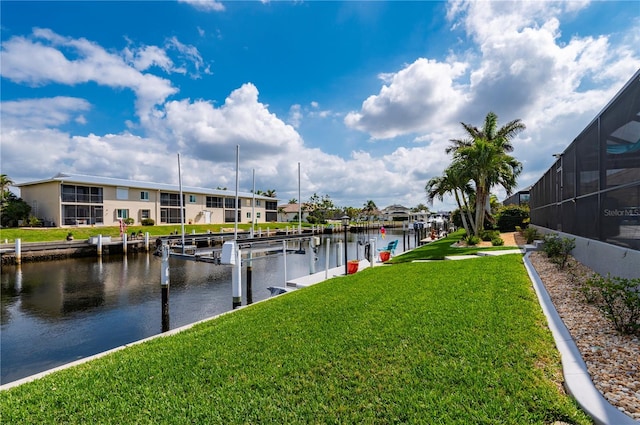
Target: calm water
56,312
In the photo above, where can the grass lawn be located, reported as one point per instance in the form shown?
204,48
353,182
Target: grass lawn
441,248
450,342
79,233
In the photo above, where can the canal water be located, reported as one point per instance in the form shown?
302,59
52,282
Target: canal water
56,312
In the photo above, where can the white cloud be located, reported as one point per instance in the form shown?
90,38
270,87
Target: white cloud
41,113
519,69
205,5
145,57
415,99
40,61
295,115
209,132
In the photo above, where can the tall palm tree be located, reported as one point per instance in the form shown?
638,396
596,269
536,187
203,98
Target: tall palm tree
486,160
452,181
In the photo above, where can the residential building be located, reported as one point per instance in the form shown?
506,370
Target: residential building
289,213
396,213
521,197
592,191
81,200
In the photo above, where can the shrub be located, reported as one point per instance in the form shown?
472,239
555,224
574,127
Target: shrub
487,235
519,230
618,299
531,234
128,221
497,241
147,222
510,216
557,248
472,240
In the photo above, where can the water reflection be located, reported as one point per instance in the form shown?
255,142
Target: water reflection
59,311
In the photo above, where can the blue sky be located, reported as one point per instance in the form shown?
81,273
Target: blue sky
364,95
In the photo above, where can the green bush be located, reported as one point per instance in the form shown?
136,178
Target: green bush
129,221
531,234
618,299
487,235
557,248
472,240
510,216
497,241
147,222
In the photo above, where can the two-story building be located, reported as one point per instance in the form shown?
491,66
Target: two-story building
74,200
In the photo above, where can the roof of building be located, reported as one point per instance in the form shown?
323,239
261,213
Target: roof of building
109,181
291,208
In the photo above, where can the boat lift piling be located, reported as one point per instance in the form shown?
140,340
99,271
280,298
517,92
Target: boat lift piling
164,284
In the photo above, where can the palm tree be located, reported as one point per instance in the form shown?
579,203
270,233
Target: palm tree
5,182
452,181
368,208
485,158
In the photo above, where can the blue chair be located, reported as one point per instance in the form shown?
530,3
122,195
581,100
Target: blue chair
391,247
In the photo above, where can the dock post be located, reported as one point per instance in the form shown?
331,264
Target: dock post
339,254
236,280
124,243
284,256
250,278
18,249
164,284
312,255
146,241
372,251
327,243
99,246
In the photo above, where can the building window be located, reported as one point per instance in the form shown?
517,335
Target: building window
170,199
214,202
122,193
229,216
257,215
122,214
192,199
258,202
249,215
87,194
74,215
145,214
144,195
271,205
229,202
170,215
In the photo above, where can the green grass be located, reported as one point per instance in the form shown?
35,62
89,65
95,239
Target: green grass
441,248
433,343
79,233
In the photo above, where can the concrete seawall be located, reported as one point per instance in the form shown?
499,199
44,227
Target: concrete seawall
47,251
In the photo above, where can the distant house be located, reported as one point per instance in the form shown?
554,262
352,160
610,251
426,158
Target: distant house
289,213
519,198
396,213
77,200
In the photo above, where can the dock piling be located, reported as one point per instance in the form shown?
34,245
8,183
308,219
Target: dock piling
164,284
99,246
327,242
18,249
236,279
